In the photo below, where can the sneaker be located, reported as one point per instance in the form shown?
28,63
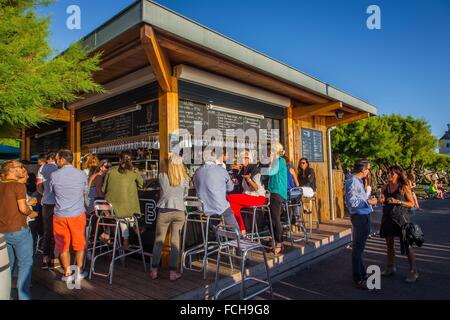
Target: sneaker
389,271
361,285
412,277
45,266
69,279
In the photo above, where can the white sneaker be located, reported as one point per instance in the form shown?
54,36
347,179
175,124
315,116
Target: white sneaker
71,278
389,271
412,277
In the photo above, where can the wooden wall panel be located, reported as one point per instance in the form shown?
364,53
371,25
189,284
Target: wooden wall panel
320,168
338,182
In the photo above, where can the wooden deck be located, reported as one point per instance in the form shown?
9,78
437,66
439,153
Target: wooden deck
131,283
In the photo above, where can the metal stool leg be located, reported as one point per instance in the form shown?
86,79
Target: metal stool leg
243,276
317,213
205,257
217,272
91,269
288,212
253,225
115,247
183,245
268,274
138,233
271,227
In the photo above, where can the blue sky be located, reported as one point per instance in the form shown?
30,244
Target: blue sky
402,68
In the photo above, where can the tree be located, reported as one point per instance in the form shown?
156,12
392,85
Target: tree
30,80
386,140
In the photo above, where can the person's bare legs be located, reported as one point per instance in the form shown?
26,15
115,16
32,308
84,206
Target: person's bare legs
412,260
64,257
79,258
416,201
390,251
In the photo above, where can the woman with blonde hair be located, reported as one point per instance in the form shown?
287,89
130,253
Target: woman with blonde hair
174,187
89,163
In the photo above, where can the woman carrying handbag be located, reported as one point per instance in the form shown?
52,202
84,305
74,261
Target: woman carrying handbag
397,198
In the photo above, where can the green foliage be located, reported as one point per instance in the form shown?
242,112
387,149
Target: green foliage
386,140
30,80
10,142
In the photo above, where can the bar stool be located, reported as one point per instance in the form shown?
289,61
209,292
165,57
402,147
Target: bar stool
106,218
228,237
37,248
207,247
311,200
294,203
255,235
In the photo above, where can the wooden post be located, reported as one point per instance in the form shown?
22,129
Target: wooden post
167,104
27,147
23,144
168,123
290,134
77,154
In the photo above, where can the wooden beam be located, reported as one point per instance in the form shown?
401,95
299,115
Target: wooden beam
157,58
348,118
57,114
109,61
315,110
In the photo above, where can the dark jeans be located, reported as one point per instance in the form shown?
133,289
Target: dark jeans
276,202
229,220
48,238
360,232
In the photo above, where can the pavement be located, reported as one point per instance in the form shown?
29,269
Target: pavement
331,277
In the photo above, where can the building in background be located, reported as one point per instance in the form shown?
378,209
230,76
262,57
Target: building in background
444,142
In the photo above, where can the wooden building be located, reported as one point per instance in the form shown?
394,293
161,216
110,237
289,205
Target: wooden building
162,70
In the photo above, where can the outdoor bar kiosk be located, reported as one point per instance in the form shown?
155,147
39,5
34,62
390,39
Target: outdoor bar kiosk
164,72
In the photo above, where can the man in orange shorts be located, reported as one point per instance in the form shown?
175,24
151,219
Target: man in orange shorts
69,220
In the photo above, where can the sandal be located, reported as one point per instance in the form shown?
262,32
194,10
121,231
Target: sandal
105,240
278,249
154,274
173,275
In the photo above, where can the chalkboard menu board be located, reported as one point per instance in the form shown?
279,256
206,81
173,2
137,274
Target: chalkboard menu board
189,111
126,125
312,145
51,142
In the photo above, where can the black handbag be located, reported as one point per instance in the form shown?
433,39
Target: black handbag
413,234
399,215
